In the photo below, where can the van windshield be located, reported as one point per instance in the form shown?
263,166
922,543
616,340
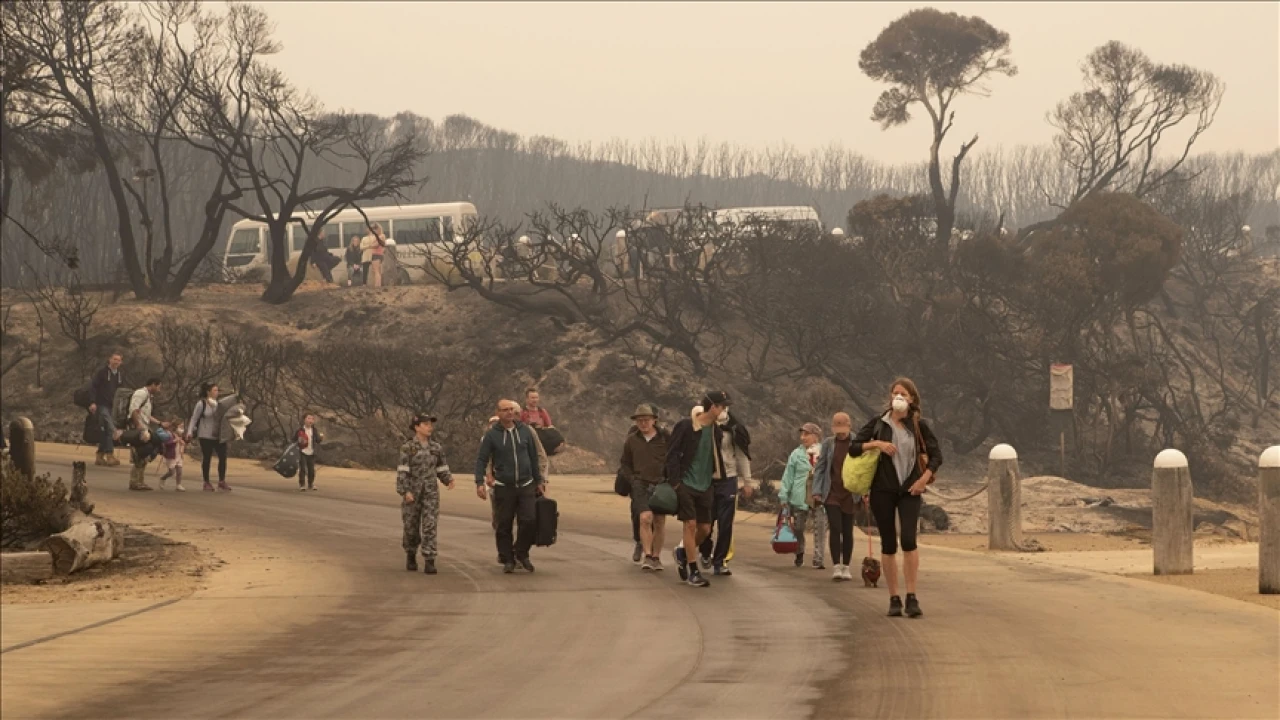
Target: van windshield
244,242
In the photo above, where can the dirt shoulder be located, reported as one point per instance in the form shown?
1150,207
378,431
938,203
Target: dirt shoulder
1234,583
150,566
1050,541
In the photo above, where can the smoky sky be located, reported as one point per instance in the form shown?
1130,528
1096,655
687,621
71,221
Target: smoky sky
753,74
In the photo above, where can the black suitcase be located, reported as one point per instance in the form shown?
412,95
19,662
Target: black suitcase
547,517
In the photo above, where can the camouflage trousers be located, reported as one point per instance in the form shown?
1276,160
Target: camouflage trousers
420,518
137,472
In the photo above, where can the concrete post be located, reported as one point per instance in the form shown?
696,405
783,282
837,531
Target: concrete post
1171,517
1004,499
1269,519
22,446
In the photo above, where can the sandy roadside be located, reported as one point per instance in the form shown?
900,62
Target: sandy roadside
150,566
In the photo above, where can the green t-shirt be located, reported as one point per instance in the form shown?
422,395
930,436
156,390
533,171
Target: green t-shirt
699,475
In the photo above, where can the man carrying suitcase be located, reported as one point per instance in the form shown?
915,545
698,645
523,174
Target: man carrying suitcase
517,483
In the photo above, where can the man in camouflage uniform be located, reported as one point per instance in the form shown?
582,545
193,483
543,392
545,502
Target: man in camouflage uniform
421,466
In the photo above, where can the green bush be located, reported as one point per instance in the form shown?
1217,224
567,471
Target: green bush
30,508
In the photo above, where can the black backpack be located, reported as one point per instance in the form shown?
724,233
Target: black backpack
83,397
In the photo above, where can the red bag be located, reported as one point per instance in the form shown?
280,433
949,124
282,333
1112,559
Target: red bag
784,539
302,440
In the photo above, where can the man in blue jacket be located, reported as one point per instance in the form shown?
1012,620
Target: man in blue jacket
518,481
103,392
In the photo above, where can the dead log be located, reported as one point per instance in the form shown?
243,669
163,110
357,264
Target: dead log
77,505
21,568
80,488
86,543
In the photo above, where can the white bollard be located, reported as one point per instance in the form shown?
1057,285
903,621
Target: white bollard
1269,519
1004,499
1171,517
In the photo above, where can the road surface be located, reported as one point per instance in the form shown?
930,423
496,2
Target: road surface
314,617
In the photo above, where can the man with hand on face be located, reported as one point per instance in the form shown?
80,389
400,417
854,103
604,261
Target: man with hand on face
517,482
690,463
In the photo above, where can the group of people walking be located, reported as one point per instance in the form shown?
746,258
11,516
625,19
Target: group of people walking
214,422
705,455
705,458
511,474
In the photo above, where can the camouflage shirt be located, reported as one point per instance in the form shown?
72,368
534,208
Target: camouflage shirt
420,466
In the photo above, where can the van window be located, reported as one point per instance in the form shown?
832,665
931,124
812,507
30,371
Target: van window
448,229
356,228
245,241
418,231
332,237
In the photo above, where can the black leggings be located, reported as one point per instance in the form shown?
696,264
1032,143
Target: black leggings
883,505
207,449
840,534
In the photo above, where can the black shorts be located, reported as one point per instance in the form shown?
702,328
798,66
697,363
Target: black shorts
694,504
641,491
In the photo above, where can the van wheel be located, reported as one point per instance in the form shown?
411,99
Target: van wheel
402,276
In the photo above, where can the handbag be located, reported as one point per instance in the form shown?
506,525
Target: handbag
663,500
922,458
784,538
858,472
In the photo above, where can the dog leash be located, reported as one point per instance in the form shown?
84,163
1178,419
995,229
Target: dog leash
866,530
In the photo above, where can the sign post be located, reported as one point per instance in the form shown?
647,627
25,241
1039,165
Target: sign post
1061,401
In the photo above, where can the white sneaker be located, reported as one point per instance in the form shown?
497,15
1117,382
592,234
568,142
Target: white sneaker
845,574
179,488
839,573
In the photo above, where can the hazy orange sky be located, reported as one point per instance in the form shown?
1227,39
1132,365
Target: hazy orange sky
750,73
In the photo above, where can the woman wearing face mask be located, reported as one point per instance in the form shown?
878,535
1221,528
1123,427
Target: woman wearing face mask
909,459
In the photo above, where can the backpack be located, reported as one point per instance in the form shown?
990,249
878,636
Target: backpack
120,406
83,397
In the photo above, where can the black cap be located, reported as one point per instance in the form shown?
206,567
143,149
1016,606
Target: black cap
421,418
715,397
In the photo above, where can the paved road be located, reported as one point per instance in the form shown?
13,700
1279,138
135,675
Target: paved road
314,616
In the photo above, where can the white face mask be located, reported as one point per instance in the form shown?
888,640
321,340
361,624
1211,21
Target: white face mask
901,403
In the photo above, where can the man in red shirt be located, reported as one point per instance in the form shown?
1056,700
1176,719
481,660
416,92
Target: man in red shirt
533,414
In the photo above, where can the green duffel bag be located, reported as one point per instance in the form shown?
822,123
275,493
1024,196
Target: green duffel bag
663,500
858,472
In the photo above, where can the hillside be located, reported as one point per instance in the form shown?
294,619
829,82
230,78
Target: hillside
466,352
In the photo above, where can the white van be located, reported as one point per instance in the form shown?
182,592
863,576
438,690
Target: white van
414,228
743,218
790,215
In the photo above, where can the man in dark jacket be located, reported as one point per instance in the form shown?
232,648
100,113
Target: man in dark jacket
691,460
644,458
518,481
102,390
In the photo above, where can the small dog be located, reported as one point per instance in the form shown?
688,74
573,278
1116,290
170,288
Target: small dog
870,571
